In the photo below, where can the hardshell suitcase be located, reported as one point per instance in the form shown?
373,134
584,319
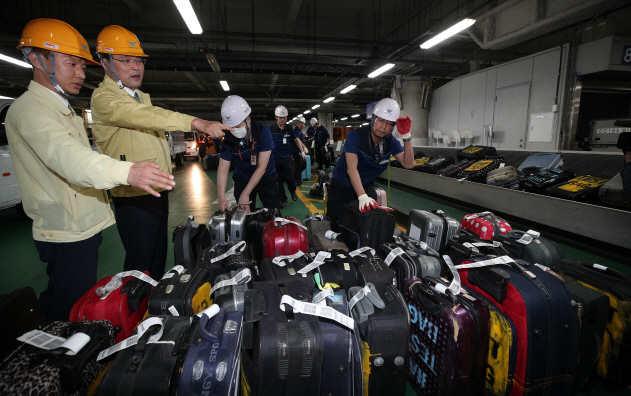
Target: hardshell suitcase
217,228
545,319
372,228
612,194
614,364
212,366
287,348
284,236
382,197
531,247
449,339
188,242
479,170
582,189
228,256
338,269
543,161
327,240
235,224
123,306
486,225
505,177
454,169
434,228
539,180
282,270
181,292
22,309
434,164
306,173
29,370
408,264
231,297
255,224
475,152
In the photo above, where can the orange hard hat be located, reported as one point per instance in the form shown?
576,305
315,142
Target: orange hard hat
57,36
117,40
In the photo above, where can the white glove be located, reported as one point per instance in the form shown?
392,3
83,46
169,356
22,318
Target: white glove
366,203
303,156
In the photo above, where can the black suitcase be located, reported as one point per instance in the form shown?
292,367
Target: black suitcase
185,294
371,268
287,348
372,228
21,308
254,224
478,171
317,188
475,152
232,297
228,256
468,245
581,189
408,264
188,242
434,164
339,269
539,180
288,271
539,251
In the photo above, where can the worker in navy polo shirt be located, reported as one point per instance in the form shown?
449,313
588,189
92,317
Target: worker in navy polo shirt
250,145
366,155
321,138
299,155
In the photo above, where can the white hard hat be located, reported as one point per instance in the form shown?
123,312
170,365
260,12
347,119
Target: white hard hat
313,121
301,119
234,110
388,109
281,111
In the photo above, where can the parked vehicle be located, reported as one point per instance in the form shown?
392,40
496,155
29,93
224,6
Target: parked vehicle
9,190
177,147
192,148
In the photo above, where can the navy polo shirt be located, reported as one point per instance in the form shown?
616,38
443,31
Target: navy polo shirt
311,132
359,141
322,135
240,150
282,150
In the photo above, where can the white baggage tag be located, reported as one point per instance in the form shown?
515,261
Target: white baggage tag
486,263
210,311
173,310
245,275
454,286
483,244
117,281
339,145
42,339
318,261
393,254
281,221
534,233
178,269
471,246
238,248
279,259
361,294
361,250
525,239
320,297
331,235
317,310
133,340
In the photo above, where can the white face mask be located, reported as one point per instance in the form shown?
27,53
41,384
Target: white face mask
240,132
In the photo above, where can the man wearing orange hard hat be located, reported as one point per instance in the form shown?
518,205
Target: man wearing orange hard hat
61,179
128,127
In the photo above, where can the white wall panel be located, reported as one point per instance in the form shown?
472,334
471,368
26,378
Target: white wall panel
543,92
511,117
434,110
449,107
515,73
489,102
472,103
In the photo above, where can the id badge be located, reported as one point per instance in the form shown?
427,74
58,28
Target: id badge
253,160
284,140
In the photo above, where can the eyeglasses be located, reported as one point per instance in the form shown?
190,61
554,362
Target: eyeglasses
131,61
380,120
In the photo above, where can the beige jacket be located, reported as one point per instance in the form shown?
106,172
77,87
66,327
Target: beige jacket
124,127
62,180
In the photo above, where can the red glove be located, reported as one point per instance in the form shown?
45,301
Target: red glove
404,124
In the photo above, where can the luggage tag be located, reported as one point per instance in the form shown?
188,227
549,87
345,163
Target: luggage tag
317,310
278,260
392,255
133,340
236,249
319,299
280,221
241,278
331,235
486,263
43,340
318,261
361,251
528,237
117,281
370,293
178,269
454,286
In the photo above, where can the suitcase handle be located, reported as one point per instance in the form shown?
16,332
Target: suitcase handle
217,327
606,270
489,281
428,298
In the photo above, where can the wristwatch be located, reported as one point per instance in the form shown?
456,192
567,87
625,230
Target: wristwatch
407,139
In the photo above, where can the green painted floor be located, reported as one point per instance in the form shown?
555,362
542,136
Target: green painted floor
196,194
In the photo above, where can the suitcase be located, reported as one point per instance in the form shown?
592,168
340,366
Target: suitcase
454,169
434,228
152,368
318,185
505,177
228,256
582,189
339,269
287,271
306,173
611,194
21,308
316,223
384,329
545,319
382,197
284,236
485,225
124,306
408,264
468,245
328,154
212,366
475,152
418,163
188,242
434,164
449,339
542,161
255,224
531,248
181,293
479,170
539,180
235,224
286,357
614,364
327,240
29,370
372,228
217,228
231,298
371,268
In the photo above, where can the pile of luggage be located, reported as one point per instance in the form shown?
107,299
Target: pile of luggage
260,304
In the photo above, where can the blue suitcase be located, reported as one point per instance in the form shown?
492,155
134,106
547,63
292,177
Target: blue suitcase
306,173
543,161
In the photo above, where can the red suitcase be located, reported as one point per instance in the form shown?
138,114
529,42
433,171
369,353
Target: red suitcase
124,306
284,236
485,225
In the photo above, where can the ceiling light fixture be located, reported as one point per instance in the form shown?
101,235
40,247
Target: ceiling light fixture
457,28
355,116
382,69
348,126
365,123
335,121
188,14
307,111
345,118
348,89
316,106
299,115
327,100
213,62
15,61
224,85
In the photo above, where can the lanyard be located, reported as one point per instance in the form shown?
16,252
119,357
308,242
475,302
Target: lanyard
251,150
376,158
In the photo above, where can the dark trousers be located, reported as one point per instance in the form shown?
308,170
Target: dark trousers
297,167
142,225
71,273
267,190
319,156
339,195
284,173
202,151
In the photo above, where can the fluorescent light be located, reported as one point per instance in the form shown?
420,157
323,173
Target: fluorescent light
348,126
307,111
355,116
335,121
188,14
15,61
458,27
213,62
345,118
330,99
299,115
224,85
348,89
6,97
316,106
365,123
382,69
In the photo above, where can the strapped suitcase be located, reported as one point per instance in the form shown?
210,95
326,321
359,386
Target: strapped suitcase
282,270
231,297
236,224
306,172
47,369
315,223
546,321
22,308
505,177
449,339
255,224
486,225
479,170
434,228
371,268
212,366
181,292
582,189
468,245
408,264
372,228
218,228
454,169
124,305
475,152
287,348
612,194
338,269
418,163
327,240
284,236
188,242
542,161
531,247
434,164
382,197
614,364
537,181
228,256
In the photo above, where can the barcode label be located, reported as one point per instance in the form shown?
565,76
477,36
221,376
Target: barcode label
41,339
525,239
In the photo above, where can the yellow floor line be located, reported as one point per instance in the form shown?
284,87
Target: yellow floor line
183,170
307,203
316,200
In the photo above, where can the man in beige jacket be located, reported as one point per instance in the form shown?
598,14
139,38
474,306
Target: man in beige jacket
61,179
128,127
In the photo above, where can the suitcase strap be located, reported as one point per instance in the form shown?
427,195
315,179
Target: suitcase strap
134,339
241,278
236,249
117,281
317,310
